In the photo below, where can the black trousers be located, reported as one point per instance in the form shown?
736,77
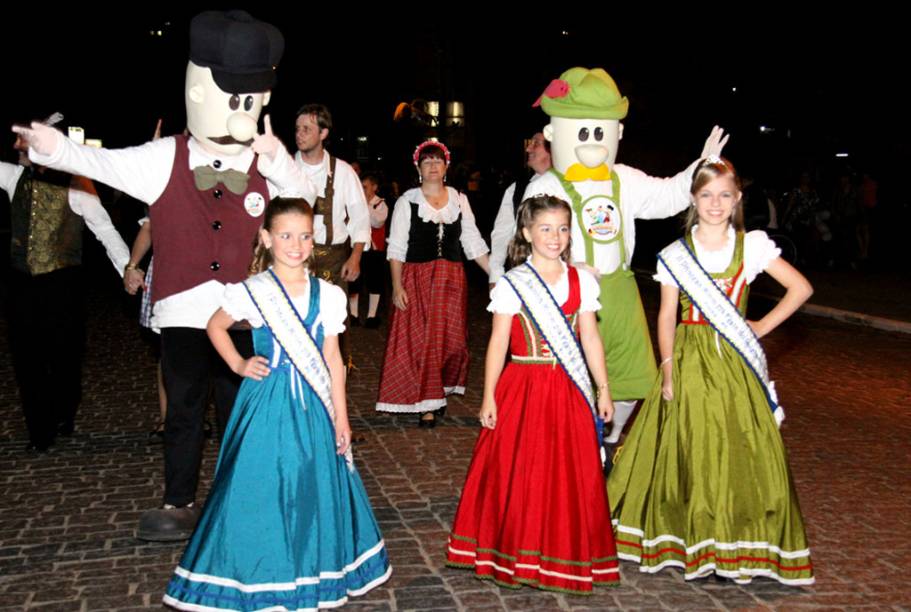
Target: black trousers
373,274
46,316
189,364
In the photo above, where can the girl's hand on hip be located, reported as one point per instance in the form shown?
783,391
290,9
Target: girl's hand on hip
256,368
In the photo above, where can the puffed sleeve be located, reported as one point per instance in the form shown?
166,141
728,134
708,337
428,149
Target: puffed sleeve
589,288
333,308
472,242
758,252
397,248
663,276
239,305
503,298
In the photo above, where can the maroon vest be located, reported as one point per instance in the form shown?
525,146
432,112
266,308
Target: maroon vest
200,236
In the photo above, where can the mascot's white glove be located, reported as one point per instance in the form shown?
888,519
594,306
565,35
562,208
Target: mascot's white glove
714,143
266,144
42,139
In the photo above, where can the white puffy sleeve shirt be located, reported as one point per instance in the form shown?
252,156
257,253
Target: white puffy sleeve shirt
333,306
472,243
503,298
758,252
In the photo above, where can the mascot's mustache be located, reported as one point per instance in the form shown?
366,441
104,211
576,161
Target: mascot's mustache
229,140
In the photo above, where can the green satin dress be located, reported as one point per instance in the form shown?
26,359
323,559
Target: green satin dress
702,481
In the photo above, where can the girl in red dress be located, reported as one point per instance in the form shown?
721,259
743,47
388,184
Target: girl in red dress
534,508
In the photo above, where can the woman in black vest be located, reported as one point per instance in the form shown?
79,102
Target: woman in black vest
427,351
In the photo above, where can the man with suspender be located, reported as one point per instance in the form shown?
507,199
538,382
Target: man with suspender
341,223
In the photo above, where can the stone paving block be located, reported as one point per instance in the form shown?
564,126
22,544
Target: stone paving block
49,593
62,606
414,601
367,607
11,565
530,599
634,600
15,600
488,598
116,602
421,581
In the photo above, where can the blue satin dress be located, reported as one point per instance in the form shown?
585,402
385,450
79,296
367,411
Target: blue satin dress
287,524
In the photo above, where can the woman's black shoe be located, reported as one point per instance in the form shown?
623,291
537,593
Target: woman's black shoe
157,434
38,448
424,421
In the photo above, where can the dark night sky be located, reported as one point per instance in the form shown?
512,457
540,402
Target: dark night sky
830,86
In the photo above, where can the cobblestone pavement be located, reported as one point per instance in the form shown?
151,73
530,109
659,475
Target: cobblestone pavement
67,518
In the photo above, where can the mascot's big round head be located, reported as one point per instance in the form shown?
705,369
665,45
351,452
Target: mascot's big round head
585,108
230,75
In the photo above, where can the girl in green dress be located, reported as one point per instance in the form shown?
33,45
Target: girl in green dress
702,482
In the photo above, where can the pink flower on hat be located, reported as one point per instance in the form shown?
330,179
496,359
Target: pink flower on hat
558,88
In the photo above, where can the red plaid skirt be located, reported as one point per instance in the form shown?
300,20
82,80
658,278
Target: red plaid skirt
427,351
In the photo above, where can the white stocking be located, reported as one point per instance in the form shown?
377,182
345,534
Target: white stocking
372,304
622,412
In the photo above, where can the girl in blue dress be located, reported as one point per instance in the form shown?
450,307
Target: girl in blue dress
287,524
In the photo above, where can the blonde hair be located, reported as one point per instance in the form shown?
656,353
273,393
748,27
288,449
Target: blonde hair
262,257
707,170
519,248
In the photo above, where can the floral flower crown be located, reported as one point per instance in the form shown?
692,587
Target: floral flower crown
430,143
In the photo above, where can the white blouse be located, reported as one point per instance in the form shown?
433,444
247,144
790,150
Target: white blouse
758,252
472,243
333,306
503,298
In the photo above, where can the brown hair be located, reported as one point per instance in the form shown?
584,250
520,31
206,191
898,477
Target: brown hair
262,257
320,113
519,247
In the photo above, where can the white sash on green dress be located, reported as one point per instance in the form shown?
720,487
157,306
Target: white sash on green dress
720,313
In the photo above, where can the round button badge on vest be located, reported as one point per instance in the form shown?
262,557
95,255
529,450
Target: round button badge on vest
216,225
217,193
254,204
214,266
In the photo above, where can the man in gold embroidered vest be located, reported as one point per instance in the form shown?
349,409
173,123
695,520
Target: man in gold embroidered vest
48,210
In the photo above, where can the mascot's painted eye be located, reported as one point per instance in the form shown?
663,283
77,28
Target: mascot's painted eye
234,102
583,134
248,103
599,134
